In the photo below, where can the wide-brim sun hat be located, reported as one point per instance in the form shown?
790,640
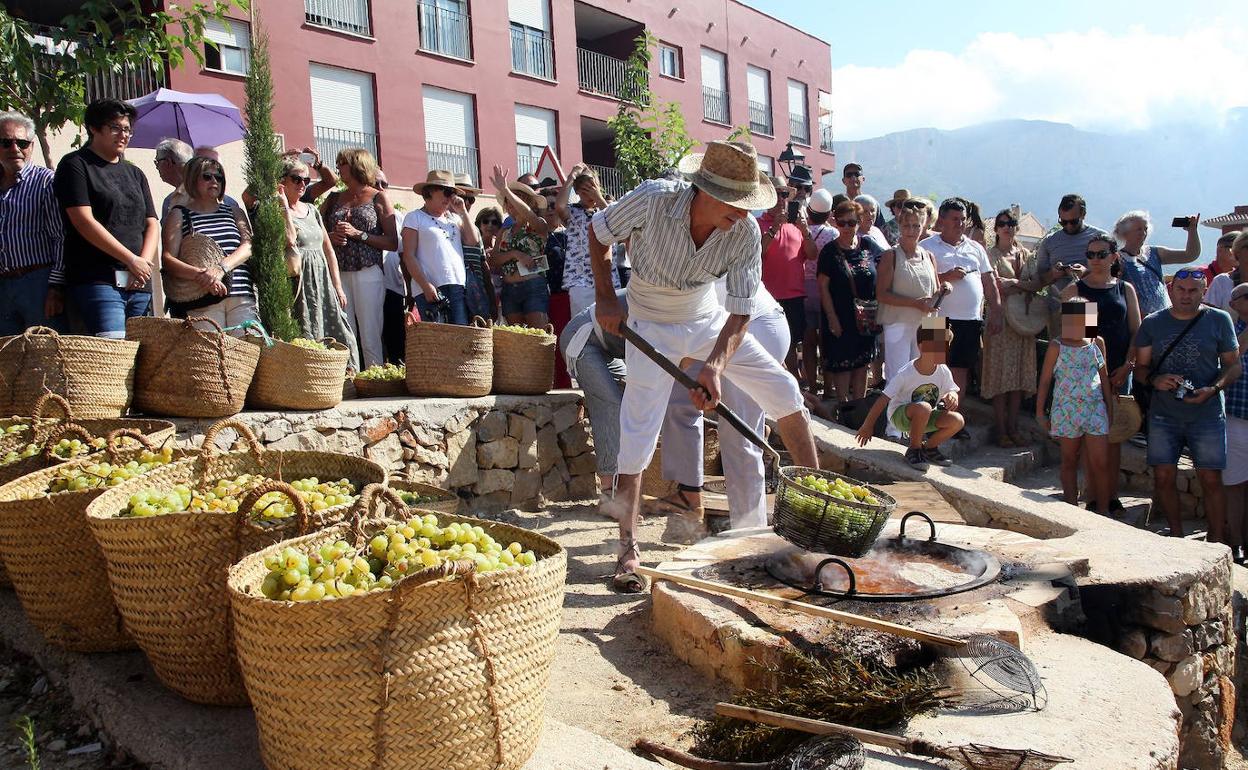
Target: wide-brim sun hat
729,172
528,195
436,178
463,183
900,196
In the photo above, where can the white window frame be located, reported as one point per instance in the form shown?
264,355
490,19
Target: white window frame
765,163
666,51
230,35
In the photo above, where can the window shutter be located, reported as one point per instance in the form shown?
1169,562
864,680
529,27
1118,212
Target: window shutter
449,117
756,84
530,13
342,99
797,98
536,126
765,164
237,34
713,69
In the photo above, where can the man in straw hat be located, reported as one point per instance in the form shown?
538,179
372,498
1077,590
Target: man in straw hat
684,235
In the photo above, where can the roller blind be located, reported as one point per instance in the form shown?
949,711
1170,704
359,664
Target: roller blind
797,98
756,84
237,34
342,99
535,126
530,13
713,69
449,117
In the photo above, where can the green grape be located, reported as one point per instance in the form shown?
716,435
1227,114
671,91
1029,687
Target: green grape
384,372
302,342
226,495
523,330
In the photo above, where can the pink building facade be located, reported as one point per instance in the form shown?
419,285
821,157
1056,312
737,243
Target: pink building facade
466,84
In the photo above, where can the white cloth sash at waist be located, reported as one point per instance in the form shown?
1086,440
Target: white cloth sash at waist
662,304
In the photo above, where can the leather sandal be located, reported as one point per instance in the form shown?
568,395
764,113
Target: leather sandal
626,581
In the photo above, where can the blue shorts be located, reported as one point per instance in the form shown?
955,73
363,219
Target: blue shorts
531,296
1205,440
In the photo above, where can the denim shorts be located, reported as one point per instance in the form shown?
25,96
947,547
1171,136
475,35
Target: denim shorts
1205,440
531,296
105,308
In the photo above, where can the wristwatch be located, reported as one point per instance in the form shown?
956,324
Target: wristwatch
1217,387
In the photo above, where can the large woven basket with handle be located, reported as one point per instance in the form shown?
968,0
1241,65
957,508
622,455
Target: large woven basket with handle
449,360
96,375
198,251
293,377
54,562
167,572
186,370
425,496
524,364
446,670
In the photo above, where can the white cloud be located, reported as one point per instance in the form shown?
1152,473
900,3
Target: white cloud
1093,79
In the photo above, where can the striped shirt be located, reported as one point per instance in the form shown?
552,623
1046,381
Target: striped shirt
221,227
656,216
31,231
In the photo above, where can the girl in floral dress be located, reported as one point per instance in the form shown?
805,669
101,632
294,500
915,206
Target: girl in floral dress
1082,401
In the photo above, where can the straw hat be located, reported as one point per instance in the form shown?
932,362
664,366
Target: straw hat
528,195
1026,314
463,183
1127,420
729,172
436,178
900,196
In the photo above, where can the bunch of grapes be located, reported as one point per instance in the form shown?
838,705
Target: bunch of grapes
15,428
384,372
840,489
65,449
303,342
78,477
529,330
13,455
413,500
337,570
226,495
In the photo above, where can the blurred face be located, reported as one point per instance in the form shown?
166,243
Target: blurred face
113,137
951,224
866,219
588,192
1240,305
437,200
207,152
1080,322
1187,290
1070,220
16,146
932,345
1133,232
1240,256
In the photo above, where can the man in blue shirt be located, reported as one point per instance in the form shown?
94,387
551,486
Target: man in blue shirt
32,278
1189,355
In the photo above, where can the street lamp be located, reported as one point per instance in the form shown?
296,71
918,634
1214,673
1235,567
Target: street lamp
789,158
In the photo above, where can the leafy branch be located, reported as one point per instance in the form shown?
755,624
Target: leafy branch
650,135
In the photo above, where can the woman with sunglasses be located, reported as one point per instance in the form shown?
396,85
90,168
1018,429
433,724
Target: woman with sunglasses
907,285
1142,263
320,302
847,351
520,254
1117,320
112,235
229,297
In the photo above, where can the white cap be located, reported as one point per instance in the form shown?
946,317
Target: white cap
820,201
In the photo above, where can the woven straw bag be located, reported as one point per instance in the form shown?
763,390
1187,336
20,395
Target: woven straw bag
436,499
196,250
447,670
167,572
524,364
380,388
56,566
449,360
291,377
95,374
1127,420
185,371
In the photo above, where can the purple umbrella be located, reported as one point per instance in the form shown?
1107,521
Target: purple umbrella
197,119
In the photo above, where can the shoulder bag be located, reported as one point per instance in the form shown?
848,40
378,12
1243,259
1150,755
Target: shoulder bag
1142,391
865,310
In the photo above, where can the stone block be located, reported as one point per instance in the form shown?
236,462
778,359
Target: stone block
344,441
562,468
527,488
304,440
377,428
1196,604
524,430
547,448
517,424
566,416
1162,667
427,475
1208,634
492,502
460,421
423,434
275,431
461,451
1172,647
388,453
1133,643
540,415
1187,676
495,480
575,441
553,486
581,464
492,426
433,457
501,453
1164,613
584,487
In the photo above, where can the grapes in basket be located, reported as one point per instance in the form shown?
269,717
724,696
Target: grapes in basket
304,342
384,372
840,489
12,456
79,477
226,495
529,330
65,449
337,570
15,428
413,500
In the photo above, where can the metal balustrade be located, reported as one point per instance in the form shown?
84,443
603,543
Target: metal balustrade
532,52
346,15
331,141
799,131
454,158
715,105
601,74
444,31
610,180
760,118
825,138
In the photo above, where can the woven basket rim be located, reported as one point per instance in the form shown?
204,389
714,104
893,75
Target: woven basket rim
8,492
790,472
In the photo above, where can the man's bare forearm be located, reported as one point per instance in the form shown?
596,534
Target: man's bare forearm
729,340
603,265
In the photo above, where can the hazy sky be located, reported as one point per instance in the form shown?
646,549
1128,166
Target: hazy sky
1099,64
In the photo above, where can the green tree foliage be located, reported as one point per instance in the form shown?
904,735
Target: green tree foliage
650,135
262,168
100,37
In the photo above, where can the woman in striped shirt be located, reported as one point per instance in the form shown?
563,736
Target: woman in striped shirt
228,298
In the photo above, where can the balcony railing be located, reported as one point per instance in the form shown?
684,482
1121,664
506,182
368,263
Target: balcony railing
610,180
454,158
532,52
715,105
129,82
527,160
798,130
760,118
825,138
331,141
444,31
346,15
601,74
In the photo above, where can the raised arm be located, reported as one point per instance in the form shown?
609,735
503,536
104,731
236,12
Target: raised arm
524,214
1188,253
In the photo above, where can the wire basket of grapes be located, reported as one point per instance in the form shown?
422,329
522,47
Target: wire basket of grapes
829,513
382,381
400,617
426,497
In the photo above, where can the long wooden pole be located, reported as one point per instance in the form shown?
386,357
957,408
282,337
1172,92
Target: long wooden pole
814,726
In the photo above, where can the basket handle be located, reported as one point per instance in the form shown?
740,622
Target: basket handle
482,323
65,429
245,433
364,506
242,519
219,341
549,329
111,440
446,569
51,398
41,331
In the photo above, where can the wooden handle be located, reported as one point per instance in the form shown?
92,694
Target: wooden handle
810,609
678,757
813,726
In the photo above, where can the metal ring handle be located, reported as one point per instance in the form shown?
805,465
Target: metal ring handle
925,517
849,572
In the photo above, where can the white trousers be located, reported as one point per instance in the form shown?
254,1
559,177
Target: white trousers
230,311
366,298
900,347
744,468
752,369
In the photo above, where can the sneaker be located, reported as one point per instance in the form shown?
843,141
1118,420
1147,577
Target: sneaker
962,435
937,457
916,459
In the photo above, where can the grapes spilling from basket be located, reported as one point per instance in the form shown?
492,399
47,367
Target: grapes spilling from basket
304,342
79,477
413,500
226,495
523,330
337,570
384,372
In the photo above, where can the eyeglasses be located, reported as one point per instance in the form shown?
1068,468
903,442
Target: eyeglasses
847,222
210,177
383,184
1069,222
299,179
491,223
117,128
1007,223
22,144
1193,273
782,194
914,205
1098,254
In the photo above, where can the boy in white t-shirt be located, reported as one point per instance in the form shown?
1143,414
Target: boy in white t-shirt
922,393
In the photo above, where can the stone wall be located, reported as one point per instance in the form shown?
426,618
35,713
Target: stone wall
496,452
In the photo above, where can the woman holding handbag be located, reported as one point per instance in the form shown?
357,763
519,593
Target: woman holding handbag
847,293
320,302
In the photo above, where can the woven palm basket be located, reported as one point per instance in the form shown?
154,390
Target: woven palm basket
187,371
196,250
292,377
447,670
431,498
380,388
524,364
53,561
167,572
96,375
449,360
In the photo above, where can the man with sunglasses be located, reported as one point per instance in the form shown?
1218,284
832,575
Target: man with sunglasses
1060,255
32,290
1189,355
853,179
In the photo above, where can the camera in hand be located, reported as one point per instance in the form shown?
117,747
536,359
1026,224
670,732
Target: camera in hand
1184,389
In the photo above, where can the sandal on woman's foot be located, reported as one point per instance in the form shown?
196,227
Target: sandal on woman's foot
625,580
